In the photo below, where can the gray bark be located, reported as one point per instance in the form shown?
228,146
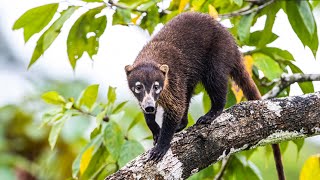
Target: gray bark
241,127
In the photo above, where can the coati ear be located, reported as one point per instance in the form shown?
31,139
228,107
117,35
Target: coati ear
128,69
164,68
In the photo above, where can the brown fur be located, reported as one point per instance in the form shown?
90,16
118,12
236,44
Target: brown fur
196,49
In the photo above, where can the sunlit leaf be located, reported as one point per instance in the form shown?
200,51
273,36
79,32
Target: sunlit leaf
85,159
284,146
88,96
56,128
121,16
138,118
95,143
113,139
231,98
191,120
213,12
96,164
84,35
267,65
119,107
35,19
112,96
182,5
311,168
129,150
53,97
50,35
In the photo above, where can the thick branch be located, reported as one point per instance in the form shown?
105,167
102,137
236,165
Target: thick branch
286,80
241,127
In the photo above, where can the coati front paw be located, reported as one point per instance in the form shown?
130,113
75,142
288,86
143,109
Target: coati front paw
208,118
157,152
205,119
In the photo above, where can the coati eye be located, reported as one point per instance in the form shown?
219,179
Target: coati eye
156,87
138,87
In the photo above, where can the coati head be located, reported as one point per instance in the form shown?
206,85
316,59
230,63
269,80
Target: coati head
147,82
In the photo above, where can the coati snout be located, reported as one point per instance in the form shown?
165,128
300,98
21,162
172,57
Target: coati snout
147,82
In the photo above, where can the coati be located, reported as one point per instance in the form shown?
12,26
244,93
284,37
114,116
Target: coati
191,48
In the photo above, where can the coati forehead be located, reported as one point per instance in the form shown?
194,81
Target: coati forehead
147,75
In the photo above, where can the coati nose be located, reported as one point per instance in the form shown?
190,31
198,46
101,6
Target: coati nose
149,109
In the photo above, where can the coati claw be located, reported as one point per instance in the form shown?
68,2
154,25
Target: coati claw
205,119
157,153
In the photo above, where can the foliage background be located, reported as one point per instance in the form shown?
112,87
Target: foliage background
25,149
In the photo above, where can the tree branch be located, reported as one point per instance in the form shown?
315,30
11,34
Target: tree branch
247,10
241,127
286,80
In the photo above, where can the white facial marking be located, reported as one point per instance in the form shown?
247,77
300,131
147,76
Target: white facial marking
157,87
137,88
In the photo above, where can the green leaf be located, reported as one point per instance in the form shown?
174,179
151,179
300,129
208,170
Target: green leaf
121,16
138,118
277,54
119,107
191,121
131,3
206,103
113,139
129,150
96,164
35,19
244,27
84,35
303,23
231,98
95,142
238,2
266,33
306,87
284,146
256,40
53,97
100,116
50,35
88,96
151,20
267,65
299,144
48,118
56,128
112,96
199,88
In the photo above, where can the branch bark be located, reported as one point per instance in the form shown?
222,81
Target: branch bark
241,127
286,80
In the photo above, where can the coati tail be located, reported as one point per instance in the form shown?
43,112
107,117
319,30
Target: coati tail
251,92
240,75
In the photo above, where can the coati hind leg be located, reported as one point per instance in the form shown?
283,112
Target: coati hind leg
216,86
183,123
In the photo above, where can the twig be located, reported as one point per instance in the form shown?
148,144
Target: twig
246,10
110,2
225,163
286,80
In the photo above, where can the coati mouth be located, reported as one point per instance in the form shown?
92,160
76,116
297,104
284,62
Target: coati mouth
149,110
